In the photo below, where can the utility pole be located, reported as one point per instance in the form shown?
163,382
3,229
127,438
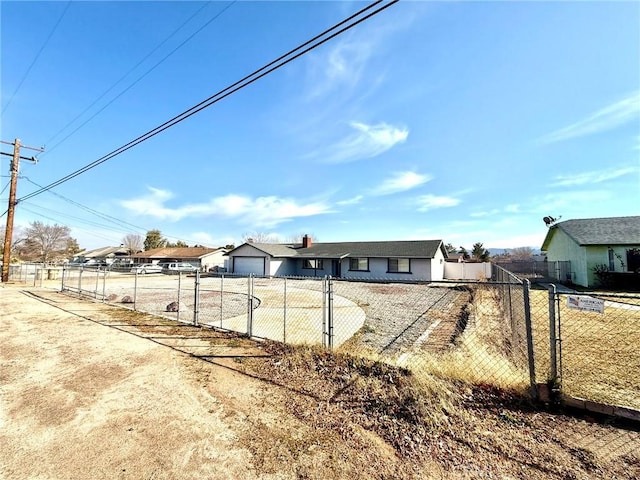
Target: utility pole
8,234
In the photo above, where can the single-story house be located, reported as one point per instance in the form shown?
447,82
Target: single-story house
202,257
594,244
400,260
100,256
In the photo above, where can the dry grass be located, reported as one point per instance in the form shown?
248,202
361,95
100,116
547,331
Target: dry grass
426,426
600,354
357,417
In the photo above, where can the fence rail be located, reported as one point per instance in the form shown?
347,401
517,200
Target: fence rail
502,331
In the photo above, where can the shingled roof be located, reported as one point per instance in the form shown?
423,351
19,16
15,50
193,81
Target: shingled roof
176,252
403,249
599,231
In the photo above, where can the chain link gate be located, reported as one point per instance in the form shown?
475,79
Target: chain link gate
594,354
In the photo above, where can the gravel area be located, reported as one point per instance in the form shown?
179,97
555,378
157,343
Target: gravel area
397,314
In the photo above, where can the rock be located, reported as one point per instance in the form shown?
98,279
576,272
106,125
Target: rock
126,299
173,307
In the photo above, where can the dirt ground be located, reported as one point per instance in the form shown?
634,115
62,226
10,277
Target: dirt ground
91,391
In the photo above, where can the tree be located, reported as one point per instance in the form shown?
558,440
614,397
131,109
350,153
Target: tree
178,244
521,253
450,248
17,238
464,253
132,242
154,240
297,237
259,237
479,253
45,242
72,247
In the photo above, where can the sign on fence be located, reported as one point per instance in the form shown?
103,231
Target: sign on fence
581,302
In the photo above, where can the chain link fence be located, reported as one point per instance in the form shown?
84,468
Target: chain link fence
500,332
595,347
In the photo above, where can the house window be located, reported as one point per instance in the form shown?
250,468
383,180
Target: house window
633,260
359,264
399,265
313,264
612,265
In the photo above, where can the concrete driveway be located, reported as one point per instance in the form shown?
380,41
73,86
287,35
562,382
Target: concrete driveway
300,319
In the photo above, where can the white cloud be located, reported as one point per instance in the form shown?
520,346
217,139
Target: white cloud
610,117
432,202
366,142
400,182
598,176
340,67
351,201
513,208
485,213
259,212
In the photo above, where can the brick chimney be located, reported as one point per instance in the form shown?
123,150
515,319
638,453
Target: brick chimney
306,241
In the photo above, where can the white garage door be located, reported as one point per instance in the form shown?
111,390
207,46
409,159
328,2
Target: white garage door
247,265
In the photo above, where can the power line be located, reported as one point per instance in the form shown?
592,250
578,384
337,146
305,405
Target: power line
130,86
247,80
104,216
26,74
121,223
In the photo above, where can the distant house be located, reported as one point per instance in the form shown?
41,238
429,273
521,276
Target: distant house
202,257
401,260
100,256
592,243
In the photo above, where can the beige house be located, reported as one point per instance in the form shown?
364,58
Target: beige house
202,257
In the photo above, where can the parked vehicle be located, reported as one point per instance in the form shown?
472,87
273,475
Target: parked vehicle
144,268
177,267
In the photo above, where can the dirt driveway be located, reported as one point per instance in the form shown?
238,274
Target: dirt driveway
89,391
81,400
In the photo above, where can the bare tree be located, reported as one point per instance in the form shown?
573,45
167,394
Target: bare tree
45,242
259,237
133,243
297,237
522,253
17,238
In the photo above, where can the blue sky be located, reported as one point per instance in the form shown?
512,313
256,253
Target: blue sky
461,121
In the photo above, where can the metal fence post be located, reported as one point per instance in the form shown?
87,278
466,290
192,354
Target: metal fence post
95,290
221,297
250,305
179,284
62,283
553,366
330,311
135,290
104,285
284,319
526,286
196,299
324,312
80,282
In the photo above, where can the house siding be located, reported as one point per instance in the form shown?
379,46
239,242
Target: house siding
282,267
437,266
420,270
249,251
562,248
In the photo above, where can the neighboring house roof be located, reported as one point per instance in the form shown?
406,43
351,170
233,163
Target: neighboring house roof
178,252
402,249
599,231
104,252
